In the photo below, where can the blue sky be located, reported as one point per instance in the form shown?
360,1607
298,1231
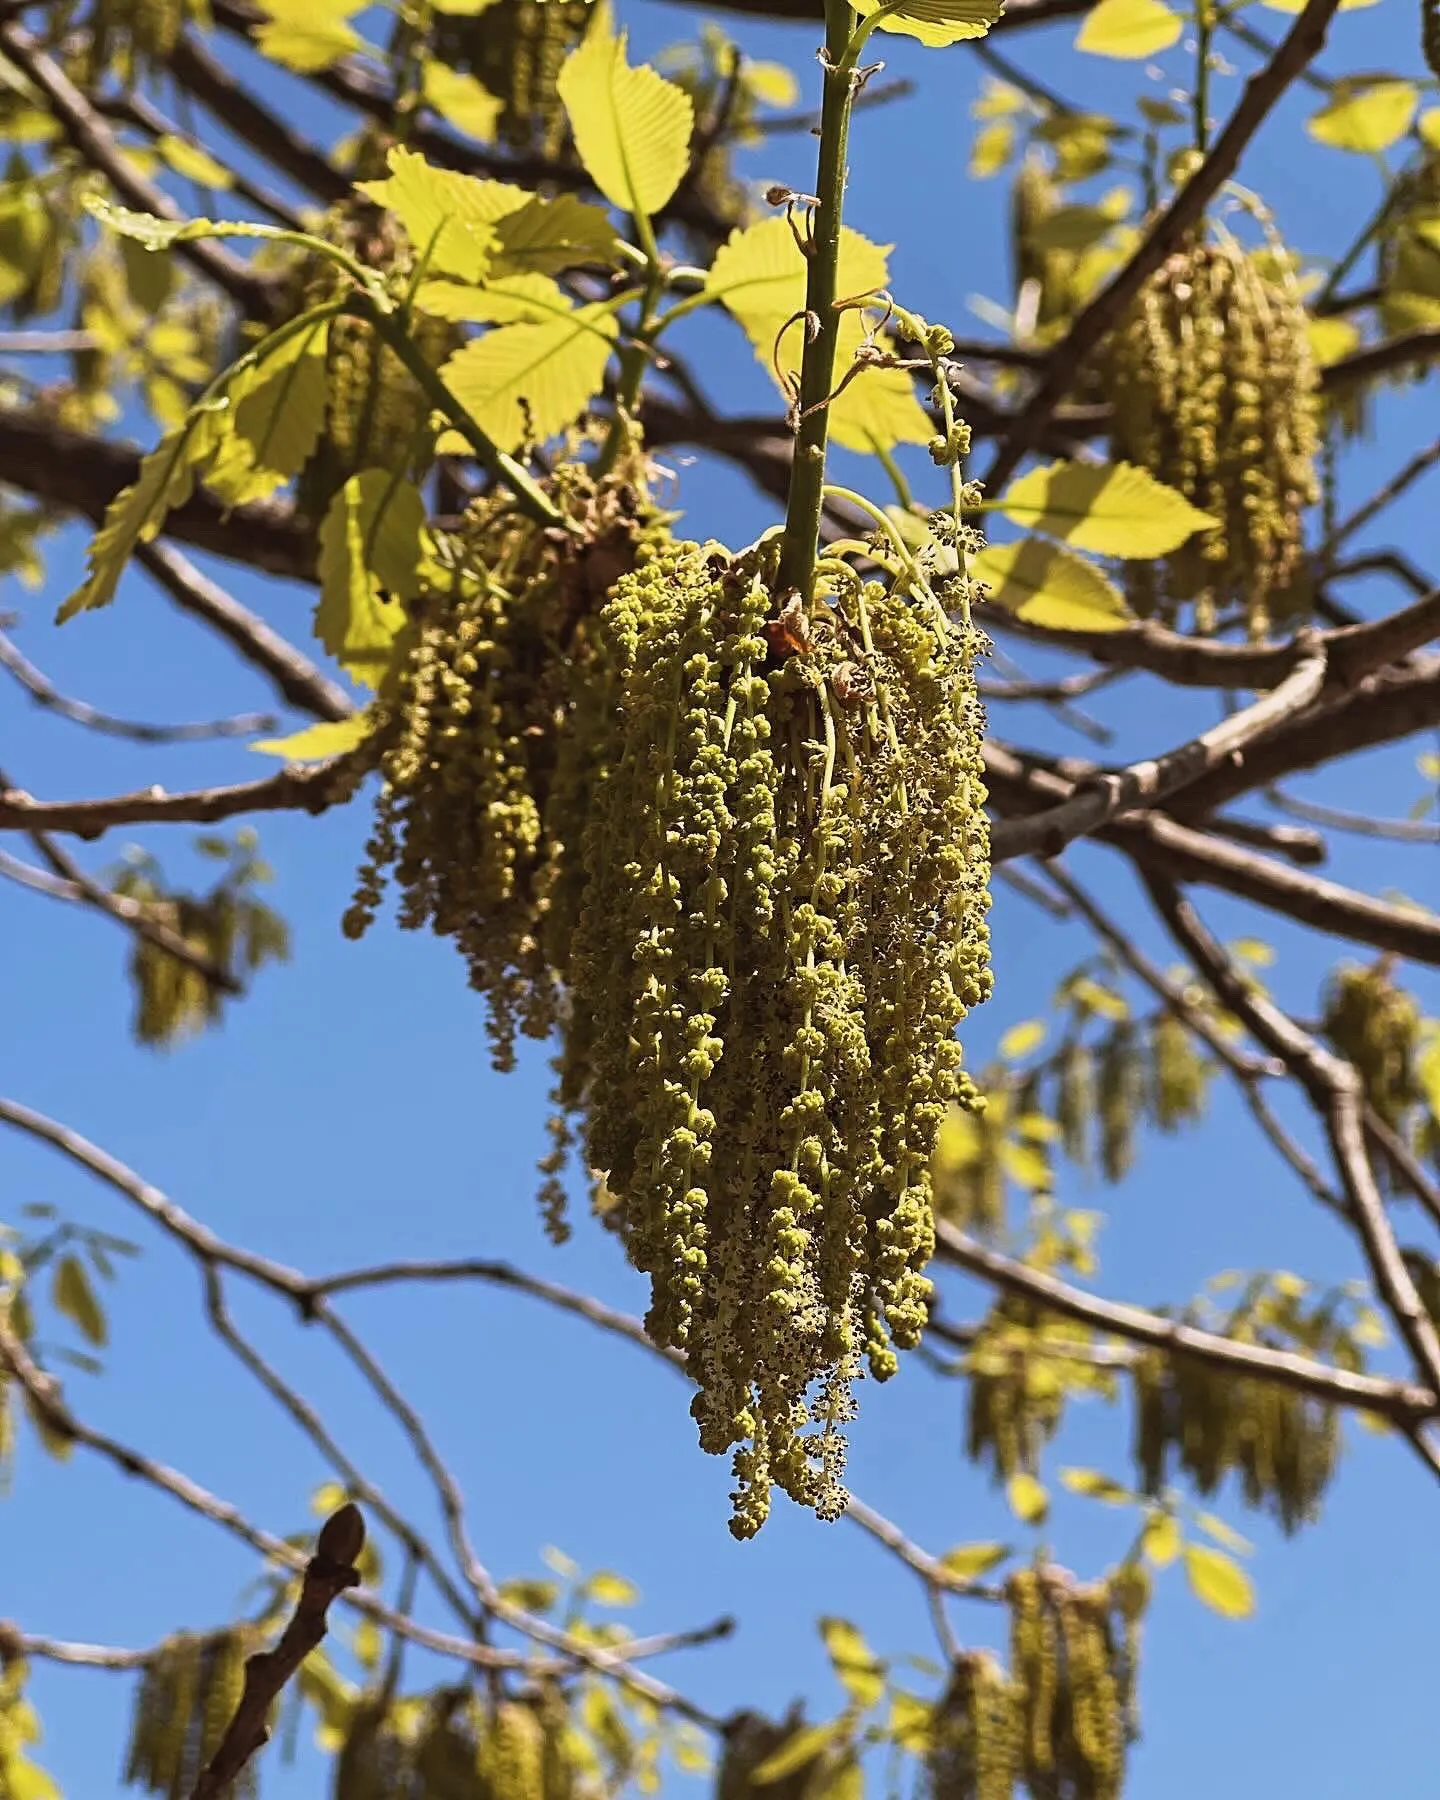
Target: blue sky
346,1113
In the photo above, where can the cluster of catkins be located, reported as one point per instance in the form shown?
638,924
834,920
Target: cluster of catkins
1061,1719
376,414
135,34
1215,392
1377,1027
184,1703
735,850
515,51
454,1745
1284,1445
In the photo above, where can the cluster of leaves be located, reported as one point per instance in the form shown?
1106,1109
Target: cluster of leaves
71,1256
231,932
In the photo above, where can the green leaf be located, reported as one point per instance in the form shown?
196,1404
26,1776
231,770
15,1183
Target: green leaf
1045,584
1113,509
1368,120
631,126
530,1594
159,234
193,163
1223,1534
318,743
1330,339
938,22
1020,1040
72,1295
371,542
1095,1486
1219,1582
758,275
165,480
461,100
967,1562
277,412
608,1589
1129,29
857,1668
1028,1498
1161,1539
993,147
1428,125
798,1750
528,382
308,35
548,236
1027,1166
451,216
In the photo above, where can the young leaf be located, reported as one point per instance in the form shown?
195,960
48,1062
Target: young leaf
318,743
758,275
531,381
548,236
451,216
632,127
857,1668
530,1594
308,35
802,1748
564,1566
608,1589
193,163
1020,1040
1113,509
371,540
937,23
1161,1540
1223,1534
1027,1497
1129,29
1366,121
1045,584
1095,1486
1219,1581
72,1295
967,1562
277,413
165,480
461,101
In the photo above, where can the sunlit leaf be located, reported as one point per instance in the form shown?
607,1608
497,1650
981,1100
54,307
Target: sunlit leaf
631,126
1161,1539
798,1750
967,1562
371,541
1045,584
308,35
608,1589
1096,1486
1028,1498
1223,1534
1367,120
856,1666
193,163
1113,509
1021,1039
993,147
318,743
527,382
1219,1581
461,100
72,1295
547,236
277,412
450,216
937,23
1129,29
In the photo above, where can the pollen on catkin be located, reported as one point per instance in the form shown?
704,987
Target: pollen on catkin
1216,394
783,925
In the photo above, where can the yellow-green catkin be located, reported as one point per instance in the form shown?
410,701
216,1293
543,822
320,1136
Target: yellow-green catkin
783,926
1073,1670
1377,1027
1430,34
185,1701
376,414
515,48
1282,1445
977,1747
1215,392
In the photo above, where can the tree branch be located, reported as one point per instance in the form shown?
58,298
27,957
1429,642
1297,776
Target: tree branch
309,790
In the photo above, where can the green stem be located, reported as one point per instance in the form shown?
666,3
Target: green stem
805,500
533,499
635,357
1204,27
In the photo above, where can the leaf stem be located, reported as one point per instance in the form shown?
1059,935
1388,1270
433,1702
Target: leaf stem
635,357
534,501
805,499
